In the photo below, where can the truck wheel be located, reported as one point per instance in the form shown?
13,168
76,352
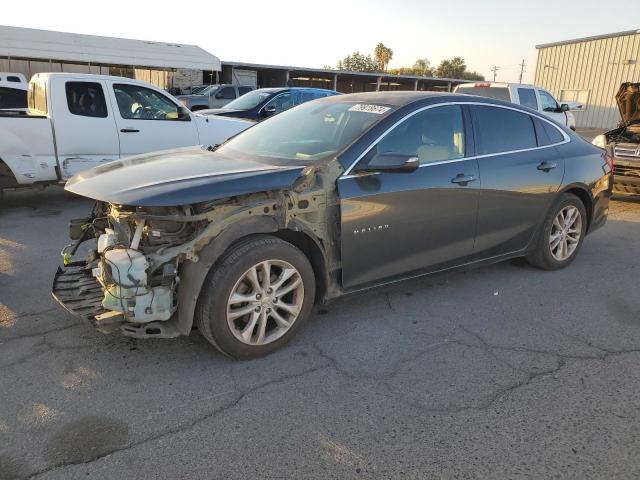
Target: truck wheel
562,234
256,298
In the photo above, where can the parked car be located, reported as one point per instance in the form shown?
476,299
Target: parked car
266,102
13,91
528,95
623,142
330,197
213,96
76,121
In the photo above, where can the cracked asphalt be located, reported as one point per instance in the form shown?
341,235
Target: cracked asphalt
499,372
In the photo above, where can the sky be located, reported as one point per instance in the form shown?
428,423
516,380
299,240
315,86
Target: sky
484,33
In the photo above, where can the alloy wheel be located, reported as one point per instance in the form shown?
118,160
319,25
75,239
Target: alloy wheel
565,233
265,302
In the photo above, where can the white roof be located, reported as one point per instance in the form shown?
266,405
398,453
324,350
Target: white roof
49,45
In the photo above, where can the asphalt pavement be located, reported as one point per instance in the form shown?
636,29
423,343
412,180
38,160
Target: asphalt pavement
498,372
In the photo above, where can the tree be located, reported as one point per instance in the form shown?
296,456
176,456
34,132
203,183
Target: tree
358,62
472,76
383,56
422,68
453,68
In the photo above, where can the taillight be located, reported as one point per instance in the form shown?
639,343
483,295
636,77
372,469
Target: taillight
609,159
482,85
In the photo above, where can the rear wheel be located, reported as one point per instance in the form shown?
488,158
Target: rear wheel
256,298
562,234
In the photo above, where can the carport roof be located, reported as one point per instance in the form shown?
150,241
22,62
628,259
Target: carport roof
48,45
345,73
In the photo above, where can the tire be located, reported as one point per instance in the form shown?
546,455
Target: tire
545,255
234,326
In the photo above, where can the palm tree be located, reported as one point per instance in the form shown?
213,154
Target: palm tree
383,55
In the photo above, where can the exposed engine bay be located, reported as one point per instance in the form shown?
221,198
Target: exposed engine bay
137,254
628,134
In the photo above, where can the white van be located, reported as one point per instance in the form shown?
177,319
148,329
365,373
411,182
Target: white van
526,95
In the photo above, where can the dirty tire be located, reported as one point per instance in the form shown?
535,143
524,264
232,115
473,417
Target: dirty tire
211,310
541,256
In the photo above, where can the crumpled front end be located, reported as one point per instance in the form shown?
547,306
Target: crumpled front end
130,279
126,282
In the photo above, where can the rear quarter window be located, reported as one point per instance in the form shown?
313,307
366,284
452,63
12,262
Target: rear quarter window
502,130
547,134
86,99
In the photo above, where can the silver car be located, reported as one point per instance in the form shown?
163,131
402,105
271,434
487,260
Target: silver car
213,96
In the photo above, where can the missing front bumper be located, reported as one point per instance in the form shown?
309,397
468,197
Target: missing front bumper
79,293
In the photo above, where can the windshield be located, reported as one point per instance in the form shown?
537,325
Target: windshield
208,90
499,93
311,131
198,89
248,100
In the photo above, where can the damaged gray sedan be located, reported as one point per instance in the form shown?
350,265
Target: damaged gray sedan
331,197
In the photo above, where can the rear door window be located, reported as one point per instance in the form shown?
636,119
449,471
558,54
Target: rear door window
528,98
243,90
86,99
502,130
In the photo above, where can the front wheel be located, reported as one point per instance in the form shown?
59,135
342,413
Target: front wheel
256,298
562,234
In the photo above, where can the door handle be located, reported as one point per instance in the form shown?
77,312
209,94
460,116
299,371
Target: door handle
129,130
462,179
546,166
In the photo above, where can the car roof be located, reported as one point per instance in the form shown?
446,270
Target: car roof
404,98
287,89
396,98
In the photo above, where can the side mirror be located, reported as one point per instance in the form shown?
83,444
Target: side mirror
269,110
218,95
183,113
392,162
564,107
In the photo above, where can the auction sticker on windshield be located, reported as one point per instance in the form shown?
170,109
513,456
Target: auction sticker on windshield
369,108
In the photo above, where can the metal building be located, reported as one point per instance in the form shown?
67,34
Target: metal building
30,51
171,65
590,70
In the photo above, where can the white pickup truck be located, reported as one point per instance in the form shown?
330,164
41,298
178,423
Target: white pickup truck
527,95
76,121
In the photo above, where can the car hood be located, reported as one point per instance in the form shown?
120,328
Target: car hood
222,111
181,177
628,99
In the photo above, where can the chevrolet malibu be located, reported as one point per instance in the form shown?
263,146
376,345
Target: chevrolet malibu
331,197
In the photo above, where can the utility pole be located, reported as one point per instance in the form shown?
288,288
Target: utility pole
522,65
495,69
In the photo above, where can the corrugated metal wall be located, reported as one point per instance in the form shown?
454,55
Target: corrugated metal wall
598,66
